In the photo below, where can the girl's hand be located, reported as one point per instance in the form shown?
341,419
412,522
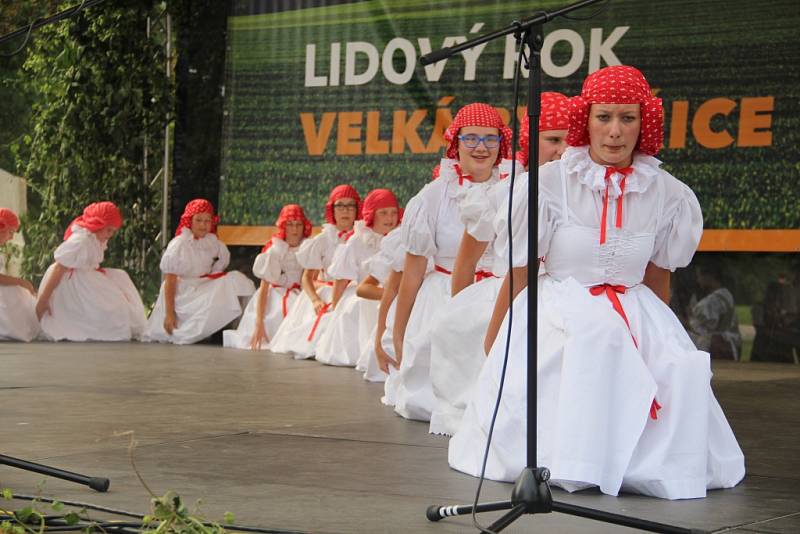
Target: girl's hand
170,322
259,337
27,285
42,307
384,360
318,305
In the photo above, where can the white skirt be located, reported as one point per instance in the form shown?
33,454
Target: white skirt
457,352
414,396
595,393
387,342
300,332
202,306
367,327
18,321
279,302
91,305
339,344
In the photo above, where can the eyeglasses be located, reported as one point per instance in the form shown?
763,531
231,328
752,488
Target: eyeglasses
473,140
345,206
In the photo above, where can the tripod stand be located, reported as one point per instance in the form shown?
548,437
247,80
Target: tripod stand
96,483
531,493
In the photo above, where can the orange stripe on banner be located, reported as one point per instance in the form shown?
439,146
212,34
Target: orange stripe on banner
713,240
249,235
750,241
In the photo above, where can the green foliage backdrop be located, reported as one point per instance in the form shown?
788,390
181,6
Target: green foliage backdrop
101,97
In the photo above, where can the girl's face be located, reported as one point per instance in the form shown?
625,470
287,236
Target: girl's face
105,233
552,143
475,157
294,232
613,133
385,220
6,234
201,224
345,211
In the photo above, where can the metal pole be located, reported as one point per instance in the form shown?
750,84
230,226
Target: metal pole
165,176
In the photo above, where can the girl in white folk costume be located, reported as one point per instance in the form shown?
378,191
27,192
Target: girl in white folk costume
280,274
625,400
197,297
380,285
477,142
78,299
457,352
300,332
353,318
18,321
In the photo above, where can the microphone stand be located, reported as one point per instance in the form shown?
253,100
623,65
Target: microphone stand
96,483
531,493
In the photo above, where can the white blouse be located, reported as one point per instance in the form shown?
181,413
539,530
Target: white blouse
654,202
278,265
188,257
82,250
431,224
350,260
317,252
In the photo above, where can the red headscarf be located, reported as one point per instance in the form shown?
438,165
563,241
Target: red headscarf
436,171
8,219
554,116
477,115
379,199
618,85
198,205
290,212
339,192
97,216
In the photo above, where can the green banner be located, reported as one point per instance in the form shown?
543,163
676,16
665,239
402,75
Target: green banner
334,94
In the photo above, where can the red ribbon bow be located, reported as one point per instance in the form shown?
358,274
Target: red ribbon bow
346,234
611,293
461,176
610,171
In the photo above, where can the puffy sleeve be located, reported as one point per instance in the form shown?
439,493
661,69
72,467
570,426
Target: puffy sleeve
311,254
77,252
680,227
419,222
174,261
223,257
478,208
268,265
344,264
547,222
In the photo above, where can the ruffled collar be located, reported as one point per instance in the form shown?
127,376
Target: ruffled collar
593,175
448,174
207,241
367,235
81,232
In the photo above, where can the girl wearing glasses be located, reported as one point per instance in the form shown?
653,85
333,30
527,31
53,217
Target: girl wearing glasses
624,398
197,297
78,299
18,319
353,317
477,142
300,332
280,273
457,352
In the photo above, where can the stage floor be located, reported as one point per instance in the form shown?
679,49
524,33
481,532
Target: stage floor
298,445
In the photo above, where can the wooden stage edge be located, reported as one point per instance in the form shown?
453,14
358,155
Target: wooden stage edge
712,241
